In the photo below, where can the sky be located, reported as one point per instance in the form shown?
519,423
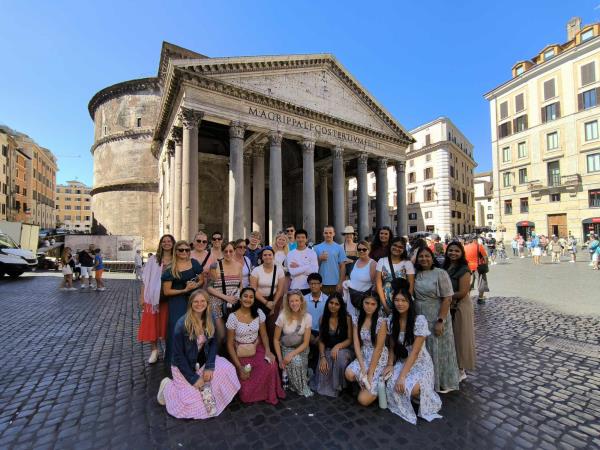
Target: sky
420,59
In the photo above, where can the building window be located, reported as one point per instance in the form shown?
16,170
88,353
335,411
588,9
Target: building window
503,110
105,130
553,173
523,176
555,198
549,89
506,154
452,171
427,158
587,35
452,193
521,123
490,216
521,150
593,163
412,177
412,216
591,130
524,205
139,122
549,54
428,214
519,103
588,73
411,163
411,197
594,198
504,130
507,207
429,194
506,179
428,173
67,206
552,140
551,112
427,139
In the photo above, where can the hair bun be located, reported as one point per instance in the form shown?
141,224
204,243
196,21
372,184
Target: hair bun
400,284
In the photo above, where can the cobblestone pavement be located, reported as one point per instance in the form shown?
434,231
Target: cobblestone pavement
74,376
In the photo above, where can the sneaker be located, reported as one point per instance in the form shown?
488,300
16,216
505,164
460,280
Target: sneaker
160,397
101,289
153,357
83,286
64,289
72,289
445,391
462,376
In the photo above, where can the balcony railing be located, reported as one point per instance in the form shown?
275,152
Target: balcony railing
554,179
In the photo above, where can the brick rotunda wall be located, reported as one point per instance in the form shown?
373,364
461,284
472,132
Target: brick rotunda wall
125,190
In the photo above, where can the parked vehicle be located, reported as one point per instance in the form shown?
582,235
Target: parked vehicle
14,260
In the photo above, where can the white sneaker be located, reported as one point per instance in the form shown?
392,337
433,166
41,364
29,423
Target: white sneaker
153,357
160,397
83,286
72,289
101,289
463,375
64,289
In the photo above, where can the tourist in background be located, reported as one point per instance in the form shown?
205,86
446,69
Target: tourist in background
181,277
68,265
250,353
301,262
461,308
225,282
594,249
433,297
555,248
369,335
99,269
292,341
335,348
153,324
572,247
410,368
290,232
243,260
402,268
380,247
332,262
139,264
253,248
86,260
362,278
203,383
536,249
515,246
349,249
477,259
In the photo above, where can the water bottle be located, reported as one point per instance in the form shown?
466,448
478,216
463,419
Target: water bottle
381,396
285,379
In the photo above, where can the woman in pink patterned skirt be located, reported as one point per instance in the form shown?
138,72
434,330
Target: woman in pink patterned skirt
203,383
252,357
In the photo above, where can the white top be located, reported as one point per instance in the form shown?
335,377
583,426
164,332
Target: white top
280,256
307,264
403,268
360,277
290,327
245,333
246,269
266,279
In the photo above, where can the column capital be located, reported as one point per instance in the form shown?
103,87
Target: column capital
307,145
275,137
400,166
258,150
177,135
237,130
363,158
171,147
190,118
323,172
382,163
248,159
337,152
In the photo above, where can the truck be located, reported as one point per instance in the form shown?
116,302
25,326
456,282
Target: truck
14,260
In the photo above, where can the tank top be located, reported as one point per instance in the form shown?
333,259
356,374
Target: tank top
360,278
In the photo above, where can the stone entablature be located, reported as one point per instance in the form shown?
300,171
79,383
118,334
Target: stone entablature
120,89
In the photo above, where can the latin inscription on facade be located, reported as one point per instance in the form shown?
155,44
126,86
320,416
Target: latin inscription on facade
307,125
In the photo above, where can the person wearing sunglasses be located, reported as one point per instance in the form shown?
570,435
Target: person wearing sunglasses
362,278
216,254
200,251
253,248
290,232
243,260
225,282
180,278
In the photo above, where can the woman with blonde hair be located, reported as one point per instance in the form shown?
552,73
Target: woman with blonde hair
203,383
181,277
292,341
153,325
200,250
280,248
68,264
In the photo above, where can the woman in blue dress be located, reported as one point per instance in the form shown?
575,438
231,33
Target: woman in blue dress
180,278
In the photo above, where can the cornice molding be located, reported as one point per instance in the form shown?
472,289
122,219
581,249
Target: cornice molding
144,187
124,88
127,134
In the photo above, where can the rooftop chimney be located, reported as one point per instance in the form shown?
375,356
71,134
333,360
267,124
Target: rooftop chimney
573,27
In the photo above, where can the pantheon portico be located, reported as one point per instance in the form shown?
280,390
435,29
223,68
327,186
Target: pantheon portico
254,143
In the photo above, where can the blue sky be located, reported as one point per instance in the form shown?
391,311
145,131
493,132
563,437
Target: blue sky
421,60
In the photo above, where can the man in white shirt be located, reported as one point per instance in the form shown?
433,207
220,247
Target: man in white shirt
301,262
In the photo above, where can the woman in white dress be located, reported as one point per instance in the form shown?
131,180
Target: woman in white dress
410,369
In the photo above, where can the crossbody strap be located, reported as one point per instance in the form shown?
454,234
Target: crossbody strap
392,267
206,259
222,277
273,282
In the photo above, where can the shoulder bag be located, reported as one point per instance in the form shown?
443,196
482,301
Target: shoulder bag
482,267
262,306
294,339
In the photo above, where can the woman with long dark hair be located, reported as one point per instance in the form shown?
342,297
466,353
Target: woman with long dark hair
409,368
461,308
250,353
395,266
369,333
225,282
335,348
203,383
380,247
155,312
433,295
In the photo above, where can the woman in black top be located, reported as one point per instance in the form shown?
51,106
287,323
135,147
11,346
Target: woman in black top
335,348
380,247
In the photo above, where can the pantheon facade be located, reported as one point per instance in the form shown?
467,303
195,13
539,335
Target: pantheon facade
240,144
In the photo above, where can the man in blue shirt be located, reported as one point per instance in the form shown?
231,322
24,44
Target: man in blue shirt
315,304
332,262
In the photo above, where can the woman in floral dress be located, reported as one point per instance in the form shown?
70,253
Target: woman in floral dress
402,268
369,331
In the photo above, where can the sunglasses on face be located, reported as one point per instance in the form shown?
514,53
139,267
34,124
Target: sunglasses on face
200,241
182,250
362,249
228,251
291,230
217,239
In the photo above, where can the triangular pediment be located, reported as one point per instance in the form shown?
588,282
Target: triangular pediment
316,82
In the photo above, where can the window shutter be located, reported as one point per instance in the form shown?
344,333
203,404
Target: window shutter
503,110
549,89
525,121
543,114
557,110
519,103
580,100
588,73
508,129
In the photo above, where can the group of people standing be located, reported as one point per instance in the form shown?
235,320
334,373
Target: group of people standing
246,319
82,266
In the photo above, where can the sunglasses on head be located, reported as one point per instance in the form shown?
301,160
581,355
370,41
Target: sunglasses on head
187,250
201,241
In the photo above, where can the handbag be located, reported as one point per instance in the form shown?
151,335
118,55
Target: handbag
262,306
294,339
245,350
481,267
356,297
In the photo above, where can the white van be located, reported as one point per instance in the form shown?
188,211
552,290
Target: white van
13,259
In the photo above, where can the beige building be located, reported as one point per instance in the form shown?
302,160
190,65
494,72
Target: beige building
484,200
7,150
545,139
238,144
74,207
